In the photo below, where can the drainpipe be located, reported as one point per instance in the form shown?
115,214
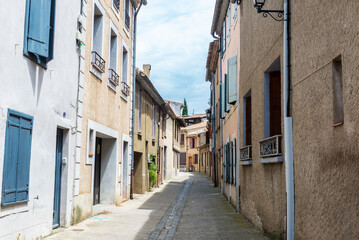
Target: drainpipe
288,127
214,130
134,96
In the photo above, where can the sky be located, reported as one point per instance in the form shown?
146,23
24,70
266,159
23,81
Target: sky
173,36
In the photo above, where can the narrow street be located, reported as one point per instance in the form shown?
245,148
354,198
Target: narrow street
187,207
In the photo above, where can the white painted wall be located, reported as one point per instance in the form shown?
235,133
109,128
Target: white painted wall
168,142
46,95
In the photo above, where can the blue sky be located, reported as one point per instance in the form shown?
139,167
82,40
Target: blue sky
173,36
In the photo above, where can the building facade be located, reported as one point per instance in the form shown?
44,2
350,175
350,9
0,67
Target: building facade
39,76
102,169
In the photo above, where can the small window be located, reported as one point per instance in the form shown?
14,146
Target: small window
113,76
235,11
97,31
139,112
247,120
228,24
124,65
39,31
196,159
182,139
338,105
127,14
116,4
154,122
15,184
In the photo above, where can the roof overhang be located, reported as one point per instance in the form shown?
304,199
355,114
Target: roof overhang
220,12
212,59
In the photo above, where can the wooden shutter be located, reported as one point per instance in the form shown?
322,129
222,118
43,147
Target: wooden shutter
230,145
226,93
275,103
248,120
232,80
221,101
39,27
17,158
234,160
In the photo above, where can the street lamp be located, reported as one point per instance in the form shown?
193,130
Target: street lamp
260,3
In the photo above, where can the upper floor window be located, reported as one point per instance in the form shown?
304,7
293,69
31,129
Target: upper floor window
154,122
113,75
235,12
182,139
39,31
116,4
16,170
127,14
139,112
124,64
228,24
97,62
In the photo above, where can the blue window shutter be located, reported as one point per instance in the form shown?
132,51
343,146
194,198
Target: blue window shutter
17,158
226,90
230,162
232,79
221,101
39,27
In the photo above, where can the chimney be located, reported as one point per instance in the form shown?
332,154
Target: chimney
147,70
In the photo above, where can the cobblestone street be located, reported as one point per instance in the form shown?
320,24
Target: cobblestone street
187,207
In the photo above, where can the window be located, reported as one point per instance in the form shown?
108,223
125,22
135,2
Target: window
222,100
154,122
139,111
228,19
247,120
183,159
338,106
232,80
235,11
39,31
164,125
223,37
127,14
196,159
193,143
273,104
182,139
97,30
116,4
226,94
112,75
124,65
15,185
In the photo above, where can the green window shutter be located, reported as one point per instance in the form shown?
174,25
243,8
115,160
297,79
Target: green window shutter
226,93
232,80
222,101
234,160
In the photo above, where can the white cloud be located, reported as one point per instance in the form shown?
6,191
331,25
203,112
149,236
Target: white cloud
173,37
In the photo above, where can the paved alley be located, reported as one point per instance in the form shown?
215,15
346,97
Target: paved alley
187,207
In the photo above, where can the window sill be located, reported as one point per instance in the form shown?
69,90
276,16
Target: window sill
14,209
96,73
277,159
245,163
116,12
126,31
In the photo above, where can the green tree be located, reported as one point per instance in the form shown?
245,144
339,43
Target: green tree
185,108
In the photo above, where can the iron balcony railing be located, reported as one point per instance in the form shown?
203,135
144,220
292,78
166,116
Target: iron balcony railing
97,61
113,76
125,88
245,153
127,20
270,147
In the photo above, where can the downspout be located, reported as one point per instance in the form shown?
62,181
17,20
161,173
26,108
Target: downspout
214,162
288,126
133,99
158,142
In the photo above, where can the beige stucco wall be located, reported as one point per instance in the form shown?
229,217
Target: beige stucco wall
101,104
168,142
191,153
263,197
326,162
142,180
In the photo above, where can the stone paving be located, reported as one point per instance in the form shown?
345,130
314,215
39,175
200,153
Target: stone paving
187,207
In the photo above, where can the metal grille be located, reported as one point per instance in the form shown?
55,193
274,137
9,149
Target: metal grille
97,61
113,76
245,153
116,4
270,147
125,88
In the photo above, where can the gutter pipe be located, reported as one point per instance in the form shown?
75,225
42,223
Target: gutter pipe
134,98
288,126
214,174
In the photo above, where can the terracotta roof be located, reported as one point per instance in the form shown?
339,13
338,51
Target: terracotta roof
194,116
195,126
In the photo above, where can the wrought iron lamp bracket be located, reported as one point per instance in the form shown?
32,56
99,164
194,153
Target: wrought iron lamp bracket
278,18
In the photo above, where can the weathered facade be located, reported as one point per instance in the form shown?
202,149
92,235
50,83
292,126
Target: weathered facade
39,75
102,169
325,90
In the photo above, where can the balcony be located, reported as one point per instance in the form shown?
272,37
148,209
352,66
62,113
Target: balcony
245,155
270,149
113,77
125,89
97,62
116,4
127,20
